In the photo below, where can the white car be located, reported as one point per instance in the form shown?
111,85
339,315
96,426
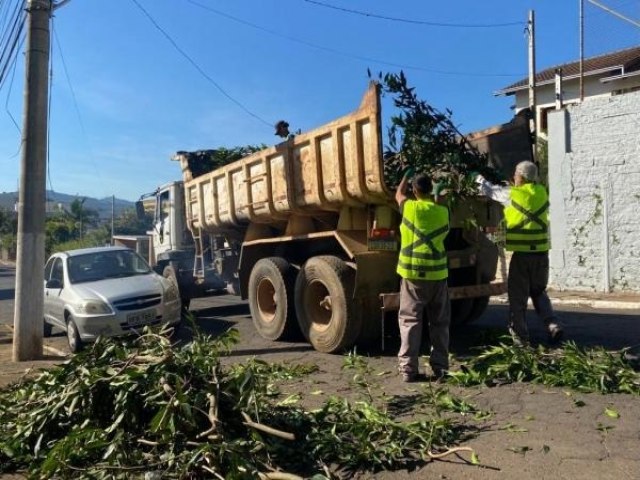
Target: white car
105,291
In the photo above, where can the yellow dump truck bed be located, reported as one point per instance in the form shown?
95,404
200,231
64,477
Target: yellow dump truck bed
338,164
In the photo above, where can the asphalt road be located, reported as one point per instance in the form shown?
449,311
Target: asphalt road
533,432
612,329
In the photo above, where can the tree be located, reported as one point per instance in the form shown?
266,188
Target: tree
8,229
81,216
128,223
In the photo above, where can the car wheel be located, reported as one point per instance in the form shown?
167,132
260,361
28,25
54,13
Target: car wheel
170,272
73,336
47,330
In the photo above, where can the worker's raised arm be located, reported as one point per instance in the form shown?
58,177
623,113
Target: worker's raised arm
401,191
499,193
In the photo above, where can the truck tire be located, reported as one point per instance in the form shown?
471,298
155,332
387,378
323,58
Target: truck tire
327,314
466,310
271,298
480,304
171,272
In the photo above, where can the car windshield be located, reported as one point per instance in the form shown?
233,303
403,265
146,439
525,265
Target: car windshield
96,266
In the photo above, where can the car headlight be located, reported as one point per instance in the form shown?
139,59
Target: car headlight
171,293
92,307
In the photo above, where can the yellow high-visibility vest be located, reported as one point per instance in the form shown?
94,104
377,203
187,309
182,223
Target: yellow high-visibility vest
424,227
527,219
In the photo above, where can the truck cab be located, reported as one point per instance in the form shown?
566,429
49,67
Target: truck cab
172,251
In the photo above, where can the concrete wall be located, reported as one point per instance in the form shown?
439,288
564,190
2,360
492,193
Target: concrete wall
594,187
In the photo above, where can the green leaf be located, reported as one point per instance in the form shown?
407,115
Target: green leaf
474,459
610,412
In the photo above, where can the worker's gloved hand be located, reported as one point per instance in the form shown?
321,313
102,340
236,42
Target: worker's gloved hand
438,188
409,172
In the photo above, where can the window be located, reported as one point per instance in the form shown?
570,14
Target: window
57,271
164,205
47,269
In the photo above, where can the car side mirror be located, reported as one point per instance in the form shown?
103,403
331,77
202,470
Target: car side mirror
140,210
53,283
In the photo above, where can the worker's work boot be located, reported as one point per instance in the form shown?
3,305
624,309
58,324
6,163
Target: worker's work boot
555,333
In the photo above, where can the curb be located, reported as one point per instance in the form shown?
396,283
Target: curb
581,302
55,351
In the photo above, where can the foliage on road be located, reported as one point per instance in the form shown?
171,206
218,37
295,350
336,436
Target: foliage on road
122,410
585,370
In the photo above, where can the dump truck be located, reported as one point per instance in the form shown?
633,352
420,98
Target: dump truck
308,232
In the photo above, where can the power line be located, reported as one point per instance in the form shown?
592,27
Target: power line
614,13
415,22
10,40
6,105
66,74
49,115
349,55
197,67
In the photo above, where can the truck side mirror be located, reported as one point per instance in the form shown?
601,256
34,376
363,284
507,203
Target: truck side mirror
140,210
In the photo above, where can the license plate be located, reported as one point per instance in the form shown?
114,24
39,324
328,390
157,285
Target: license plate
140,318
382,244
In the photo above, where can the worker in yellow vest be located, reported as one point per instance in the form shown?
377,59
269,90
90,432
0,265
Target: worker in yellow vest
422,264
526,215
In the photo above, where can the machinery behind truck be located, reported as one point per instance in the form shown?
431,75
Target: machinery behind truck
307,231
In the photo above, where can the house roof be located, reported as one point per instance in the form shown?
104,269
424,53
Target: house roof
614,63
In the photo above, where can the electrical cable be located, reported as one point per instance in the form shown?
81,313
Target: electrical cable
415,22
198,68
49,113
6,105
10,40
71,89
348,55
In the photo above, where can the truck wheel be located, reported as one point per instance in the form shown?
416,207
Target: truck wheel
271,298
480,304
460,311
371,328
324,303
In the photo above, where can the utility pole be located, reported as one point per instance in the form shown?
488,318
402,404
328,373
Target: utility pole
531,29
558,86
28,314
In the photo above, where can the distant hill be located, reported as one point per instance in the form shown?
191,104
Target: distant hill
101,205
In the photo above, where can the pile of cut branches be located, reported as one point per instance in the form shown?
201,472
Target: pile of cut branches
205,161
147,408
584,370
427,140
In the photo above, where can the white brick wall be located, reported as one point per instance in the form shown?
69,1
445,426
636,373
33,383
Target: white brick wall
594,176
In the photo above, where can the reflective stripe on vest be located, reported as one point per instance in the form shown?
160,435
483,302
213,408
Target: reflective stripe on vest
527,219
423,230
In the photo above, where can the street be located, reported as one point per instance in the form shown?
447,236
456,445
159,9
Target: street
533,431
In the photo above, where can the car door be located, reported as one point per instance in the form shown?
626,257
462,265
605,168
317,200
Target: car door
54,284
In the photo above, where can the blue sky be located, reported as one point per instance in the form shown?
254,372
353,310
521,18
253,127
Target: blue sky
128,99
